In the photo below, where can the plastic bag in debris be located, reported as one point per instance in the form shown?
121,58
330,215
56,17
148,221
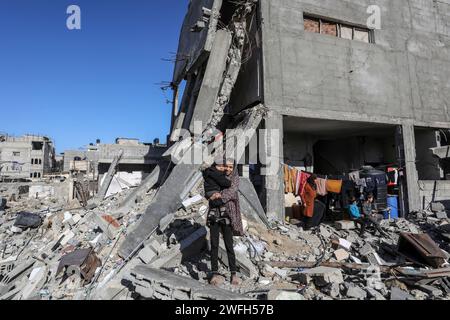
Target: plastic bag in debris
27,220
256,247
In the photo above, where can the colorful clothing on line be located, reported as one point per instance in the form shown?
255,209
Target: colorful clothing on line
321,187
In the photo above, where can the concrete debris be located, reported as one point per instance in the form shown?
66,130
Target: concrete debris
437,207
341,255
321,276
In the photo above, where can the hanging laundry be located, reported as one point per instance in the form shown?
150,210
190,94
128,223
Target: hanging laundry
309,196
293,176
286,179
297,183
334,186
321,187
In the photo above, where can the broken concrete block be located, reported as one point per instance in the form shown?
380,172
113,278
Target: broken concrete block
341,255
324,232
159,284
341,243
109,225
322,276
280,272
435,292
36,280
437,207
375,294
16,230
345,225
188,203
147,254
187,247
366,249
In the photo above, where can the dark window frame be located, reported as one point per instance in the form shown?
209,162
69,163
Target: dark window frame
339,25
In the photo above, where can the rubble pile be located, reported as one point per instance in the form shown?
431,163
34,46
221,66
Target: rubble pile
49,251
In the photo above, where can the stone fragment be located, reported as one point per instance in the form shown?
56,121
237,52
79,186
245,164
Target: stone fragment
322,276
356,292
147,254
341,255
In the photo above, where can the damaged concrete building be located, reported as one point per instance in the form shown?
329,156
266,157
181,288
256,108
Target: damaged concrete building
137,161
27,157
137,157
343,95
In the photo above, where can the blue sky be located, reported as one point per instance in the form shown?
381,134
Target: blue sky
98,82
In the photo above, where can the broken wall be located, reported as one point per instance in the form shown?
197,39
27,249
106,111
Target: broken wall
192,44
434,191
249,85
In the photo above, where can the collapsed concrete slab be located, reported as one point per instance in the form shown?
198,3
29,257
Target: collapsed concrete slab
212,80
159,284
250,203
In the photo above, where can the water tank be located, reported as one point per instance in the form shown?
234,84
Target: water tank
376,183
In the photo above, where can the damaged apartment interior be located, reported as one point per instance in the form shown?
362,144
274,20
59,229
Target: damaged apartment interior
364,110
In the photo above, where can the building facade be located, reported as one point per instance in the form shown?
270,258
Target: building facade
96,158
341,92
26,157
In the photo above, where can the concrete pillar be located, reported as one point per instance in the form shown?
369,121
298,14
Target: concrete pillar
412,176
274,182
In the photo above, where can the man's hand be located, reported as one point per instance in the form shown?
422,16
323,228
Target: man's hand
216,196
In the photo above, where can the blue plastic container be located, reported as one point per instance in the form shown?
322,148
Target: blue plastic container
393,205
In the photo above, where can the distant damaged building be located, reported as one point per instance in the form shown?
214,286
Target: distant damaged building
26,157
348,84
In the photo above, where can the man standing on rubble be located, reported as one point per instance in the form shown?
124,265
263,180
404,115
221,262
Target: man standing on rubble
229,225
